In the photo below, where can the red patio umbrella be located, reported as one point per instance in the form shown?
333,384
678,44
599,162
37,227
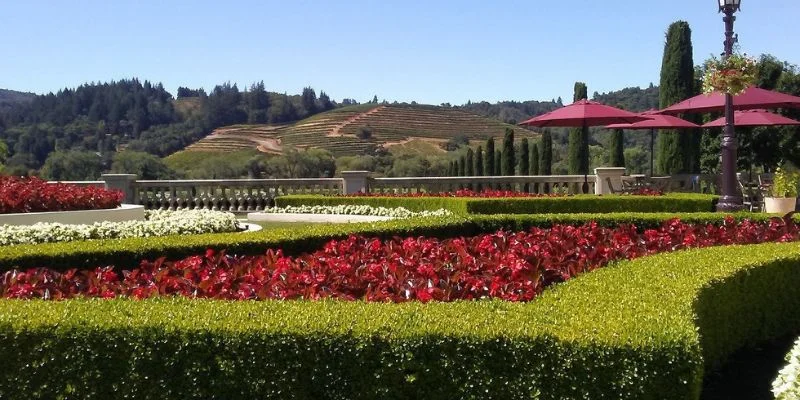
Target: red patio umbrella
655,121
584,113
752,98
753,118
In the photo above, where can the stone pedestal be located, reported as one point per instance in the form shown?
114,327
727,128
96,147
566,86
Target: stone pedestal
606,174
355,182
123,183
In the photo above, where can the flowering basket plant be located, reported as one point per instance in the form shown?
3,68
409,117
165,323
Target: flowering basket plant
732,74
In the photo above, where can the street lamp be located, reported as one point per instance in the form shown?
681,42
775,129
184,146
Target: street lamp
730,199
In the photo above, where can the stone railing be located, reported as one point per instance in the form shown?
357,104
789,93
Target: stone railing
565,184
243,195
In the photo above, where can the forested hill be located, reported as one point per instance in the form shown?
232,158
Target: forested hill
105,117
9,97
633,99
512,112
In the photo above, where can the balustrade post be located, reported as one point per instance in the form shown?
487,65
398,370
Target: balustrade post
606,174
125,183
355,182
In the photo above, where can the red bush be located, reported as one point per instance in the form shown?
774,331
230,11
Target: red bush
22,195
459,193
508,266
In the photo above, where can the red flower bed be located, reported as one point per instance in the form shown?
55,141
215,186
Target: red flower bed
22,195
459,193
508,266
647,192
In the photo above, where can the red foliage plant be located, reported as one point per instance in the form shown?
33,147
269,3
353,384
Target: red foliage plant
486,193
23,195
503,265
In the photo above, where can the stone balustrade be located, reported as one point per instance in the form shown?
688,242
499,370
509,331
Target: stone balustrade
249,195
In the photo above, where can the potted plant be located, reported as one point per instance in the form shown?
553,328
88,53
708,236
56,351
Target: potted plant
732,74
783,193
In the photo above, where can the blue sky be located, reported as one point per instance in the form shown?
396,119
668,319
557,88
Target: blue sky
428,51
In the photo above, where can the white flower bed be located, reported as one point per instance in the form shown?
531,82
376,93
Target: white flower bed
156,223
399,212
787,385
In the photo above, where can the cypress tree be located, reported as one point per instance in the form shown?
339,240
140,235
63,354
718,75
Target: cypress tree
456,168
534,163
579,139
470,162
617,156
452,170
678,151
524,158
498,155
507,166
462,166
479,166
490,157
547,154
479,161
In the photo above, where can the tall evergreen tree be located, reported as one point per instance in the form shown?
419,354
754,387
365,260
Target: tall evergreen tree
309,101
470,162
508,159
678,151
534,163
547,153
325,102
462,166
498,156
451,170
479,162
524,157
490,171
579,138
617,153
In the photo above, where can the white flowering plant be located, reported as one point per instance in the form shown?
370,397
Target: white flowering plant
156,223
350,209
787,385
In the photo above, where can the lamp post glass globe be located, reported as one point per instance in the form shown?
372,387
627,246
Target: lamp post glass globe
733,5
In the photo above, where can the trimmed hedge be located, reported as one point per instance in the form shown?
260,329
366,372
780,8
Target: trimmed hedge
644,329
673,202
125,253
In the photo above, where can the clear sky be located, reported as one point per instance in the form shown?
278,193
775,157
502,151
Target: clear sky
431,51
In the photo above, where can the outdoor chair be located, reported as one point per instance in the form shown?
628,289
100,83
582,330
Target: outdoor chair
626,187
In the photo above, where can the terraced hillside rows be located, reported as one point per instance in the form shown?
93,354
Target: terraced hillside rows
337,130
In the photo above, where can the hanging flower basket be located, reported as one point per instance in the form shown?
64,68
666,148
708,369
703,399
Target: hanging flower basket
732,74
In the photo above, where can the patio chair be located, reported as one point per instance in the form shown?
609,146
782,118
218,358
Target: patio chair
626,187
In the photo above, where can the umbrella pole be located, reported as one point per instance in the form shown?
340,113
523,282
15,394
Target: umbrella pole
585,171
652,152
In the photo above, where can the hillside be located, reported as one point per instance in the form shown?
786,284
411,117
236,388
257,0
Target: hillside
338,130
8,97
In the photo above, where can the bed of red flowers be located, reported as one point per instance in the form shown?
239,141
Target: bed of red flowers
486,193
489,193
22,195
503,265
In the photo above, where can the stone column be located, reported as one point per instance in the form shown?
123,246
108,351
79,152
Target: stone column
604,174
355,182
122,182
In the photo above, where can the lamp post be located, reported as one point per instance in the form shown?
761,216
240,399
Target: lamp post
730,199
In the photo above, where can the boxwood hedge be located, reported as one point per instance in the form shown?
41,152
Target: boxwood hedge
673,202
644,329
126,253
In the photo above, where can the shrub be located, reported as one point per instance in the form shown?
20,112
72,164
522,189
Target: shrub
787,384
673,202
639,330
24,195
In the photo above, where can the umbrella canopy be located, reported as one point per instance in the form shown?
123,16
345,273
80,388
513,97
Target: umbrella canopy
753,118
656,121
584,113
752,98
